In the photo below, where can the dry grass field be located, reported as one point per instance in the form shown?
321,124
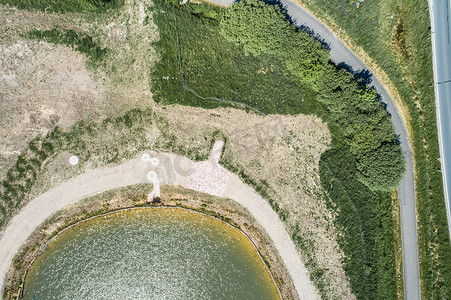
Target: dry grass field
44,85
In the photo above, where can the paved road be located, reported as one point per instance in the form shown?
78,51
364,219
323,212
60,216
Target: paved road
134,172
341,53
440,12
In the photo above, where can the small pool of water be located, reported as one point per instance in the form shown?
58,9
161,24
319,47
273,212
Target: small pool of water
150,253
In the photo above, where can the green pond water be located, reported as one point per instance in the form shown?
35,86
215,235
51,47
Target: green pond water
150,253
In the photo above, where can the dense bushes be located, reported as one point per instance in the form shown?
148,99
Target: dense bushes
365,127
257,27
361,119
262,29
62,6
379,168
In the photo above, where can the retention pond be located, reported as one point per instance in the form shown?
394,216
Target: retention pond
150,253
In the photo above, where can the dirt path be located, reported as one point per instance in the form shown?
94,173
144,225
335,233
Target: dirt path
172,170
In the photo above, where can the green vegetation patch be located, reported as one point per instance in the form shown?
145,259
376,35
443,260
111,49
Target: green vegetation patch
62,6
80,42
273,68
263,29
213,67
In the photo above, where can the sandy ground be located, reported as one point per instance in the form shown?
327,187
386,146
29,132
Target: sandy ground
32,100
45,85
134,172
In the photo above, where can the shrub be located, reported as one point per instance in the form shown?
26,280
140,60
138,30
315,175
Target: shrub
263,29
381,168
257,27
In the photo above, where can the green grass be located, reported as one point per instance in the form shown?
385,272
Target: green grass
62,6
214,67
402,48
80,42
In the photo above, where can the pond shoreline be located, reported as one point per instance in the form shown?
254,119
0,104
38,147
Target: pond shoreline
135,197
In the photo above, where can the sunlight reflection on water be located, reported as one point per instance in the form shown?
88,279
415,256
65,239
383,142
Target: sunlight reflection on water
160,253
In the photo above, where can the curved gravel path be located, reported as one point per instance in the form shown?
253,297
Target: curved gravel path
173,170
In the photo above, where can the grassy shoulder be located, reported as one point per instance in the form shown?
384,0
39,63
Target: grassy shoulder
400,53
136,196
398,245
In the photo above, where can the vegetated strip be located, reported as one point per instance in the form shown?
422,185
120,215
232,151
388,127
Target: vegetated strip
401,47
80,42
81,140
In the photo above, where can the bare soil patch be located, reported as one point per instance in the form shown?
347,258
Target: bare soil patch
45,85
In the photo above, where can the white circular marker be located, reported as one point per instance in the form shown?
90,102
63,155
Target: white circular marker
155,161
152,176
145,157
73,160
